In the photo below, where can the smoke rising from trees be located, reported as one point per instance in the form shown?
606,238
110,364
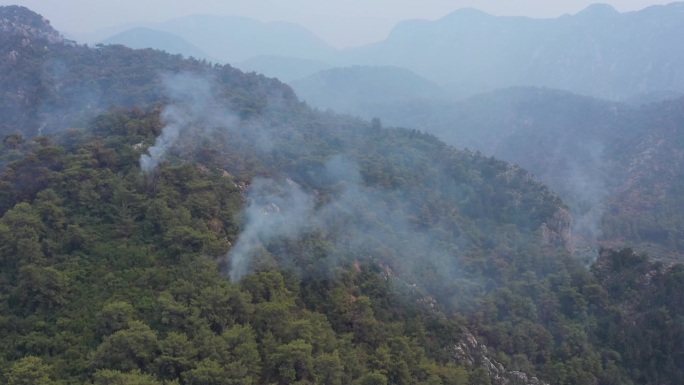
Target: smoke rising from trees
192,105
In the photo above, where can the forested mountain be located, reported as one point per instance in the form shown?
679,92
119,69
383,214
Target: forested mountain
50,87
610,162
200,225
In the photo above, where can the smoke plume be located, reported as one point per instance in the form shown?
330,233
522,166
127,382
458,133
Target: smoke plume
360,221
276,210
329,201
191,105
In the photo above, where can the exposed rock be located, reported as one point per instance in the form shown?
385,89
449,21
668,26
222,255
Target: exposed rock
470,352
558,230
21,21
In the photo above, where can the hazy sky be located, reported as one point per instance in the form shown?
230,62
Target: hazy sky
339,22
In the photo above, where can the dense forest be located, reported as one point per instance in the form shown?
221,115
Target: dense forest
198,225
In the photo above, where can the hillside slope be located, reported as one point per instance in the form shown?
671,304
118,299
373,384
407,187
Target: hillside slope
112,203
218,230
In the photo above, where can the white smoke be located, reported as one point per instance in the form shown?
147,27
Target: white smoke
191,105
276,210
583,185
174,123
356,220
361,221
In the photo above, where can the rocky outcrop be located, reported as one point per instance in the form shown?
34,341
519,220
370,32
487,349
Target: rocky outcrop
470,352
558,230
21,21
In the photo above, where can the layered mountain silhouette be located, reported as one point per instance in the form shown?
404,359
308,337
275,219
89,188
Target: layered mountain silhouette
232,39
598,51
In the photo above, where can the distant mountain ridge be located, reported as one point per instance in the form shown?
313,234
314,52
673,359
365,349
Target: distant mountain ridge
233,39
362,89
285,68
142,37
598,51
